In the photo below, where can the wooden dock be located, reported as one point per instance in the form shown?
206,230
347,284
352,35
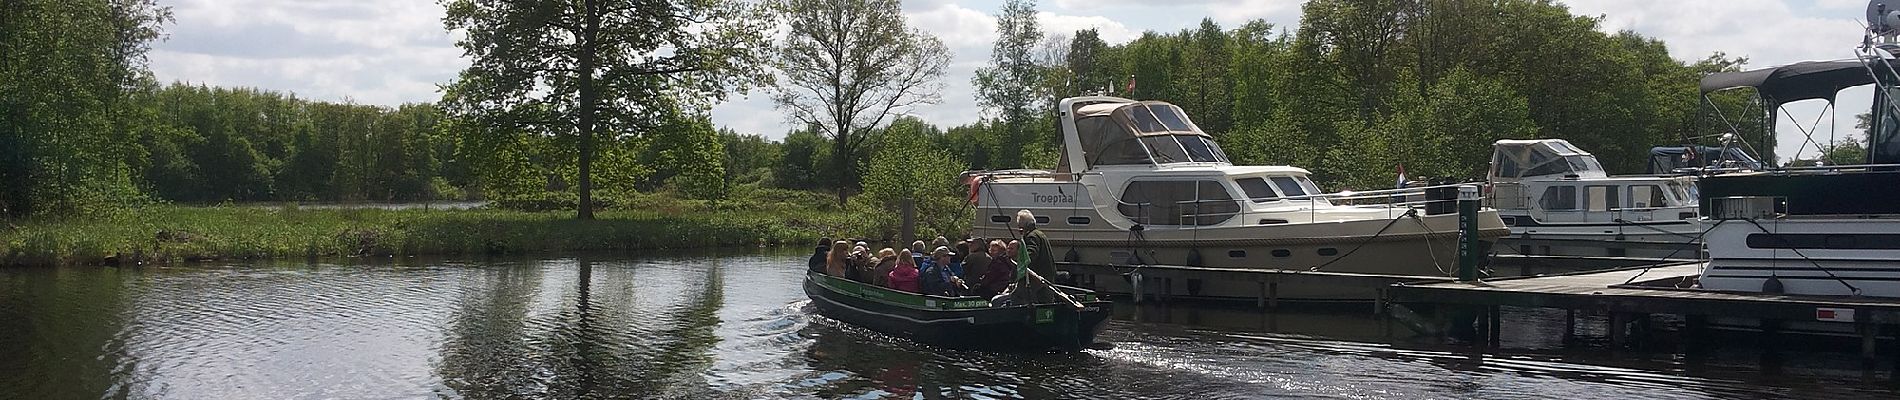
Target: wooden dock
1632,294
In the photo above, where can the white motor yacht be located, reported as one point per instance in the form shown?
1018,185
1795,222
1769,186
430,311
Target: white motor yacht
1139,184
1832,230
1558,200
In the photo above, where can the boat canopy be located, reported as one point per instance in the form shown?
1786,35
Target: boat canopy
1141,132
1511,159
1668,159
1794,82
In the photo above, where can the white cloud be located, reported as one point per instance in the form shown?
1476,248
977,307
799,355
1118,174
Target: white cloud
1767,32
368,51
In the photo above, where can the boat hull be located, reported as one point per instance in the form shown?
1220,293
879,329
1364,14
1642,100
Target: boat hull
954,322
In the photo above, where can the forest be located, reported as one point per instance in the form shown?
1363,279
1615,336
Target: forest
1358,88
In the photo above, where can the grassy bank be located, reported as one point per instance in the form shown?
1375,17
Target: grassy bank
161,234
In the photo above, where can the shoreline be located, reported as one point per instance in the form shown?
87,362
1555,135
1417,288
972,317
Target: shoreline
170,234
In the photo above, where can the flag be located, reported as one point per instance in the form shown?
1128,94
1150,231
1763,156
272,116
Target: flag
1130,90
1401,183
976,184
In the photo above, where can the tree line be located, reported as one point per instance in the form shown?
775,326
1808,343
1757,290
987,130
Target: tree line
572,97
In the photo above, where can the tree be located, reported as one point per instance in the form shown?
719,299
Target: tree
580,68
1086,61
848,65
906,169
1010,88
66,68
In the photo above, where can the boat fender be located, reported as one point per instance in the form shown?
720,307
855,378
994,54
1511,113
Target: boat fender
1072,256
1772,285
1194,258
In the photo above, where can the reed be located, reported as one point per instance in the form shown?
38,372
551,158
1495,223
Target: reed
170,233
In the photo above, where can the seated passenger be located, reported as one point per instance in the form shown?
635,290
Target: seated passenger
1001,272
880,273
819,256
948,272
976,260
839,264
903,276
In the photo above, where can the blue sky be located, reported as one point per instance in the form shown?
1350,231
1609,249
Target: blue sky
395,51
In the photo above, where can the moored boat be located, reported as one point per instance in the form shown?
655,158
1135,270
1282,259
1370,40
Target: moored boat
962,322
1138,183
1558,200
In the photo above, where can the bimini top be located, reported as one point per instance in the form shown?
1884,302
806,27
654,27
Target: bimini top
1511,159
1794,82
1140,133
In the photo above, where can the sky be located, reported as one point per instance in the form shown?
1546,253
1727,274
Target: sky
389,52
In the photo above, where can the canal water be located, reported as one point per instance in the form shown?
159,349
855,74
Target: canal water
737,326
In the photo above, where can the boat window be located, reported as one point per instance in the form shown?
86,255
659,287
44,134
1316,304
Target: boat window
1199,202
1289,186
1647,196
1171,117
1105,142
1145,120
1559,198
1257,189
1311,188
1166,149
1078,220
1198,149
1600,198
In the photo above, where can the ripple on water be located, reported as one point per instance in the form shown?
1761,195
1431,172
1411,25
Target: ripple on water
699,327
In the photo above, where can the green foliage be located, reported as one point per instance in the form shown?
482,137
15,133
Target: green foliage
165,234
65,68
849,65
905,167
592,71
1013,89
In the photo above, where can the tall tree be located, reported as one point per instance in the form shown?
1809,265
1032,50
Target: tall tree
579,68
848,65
1010,89
1086,62
66,67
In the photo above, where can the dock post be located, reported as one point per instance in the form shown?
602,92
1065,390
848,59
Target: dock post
1261,300
1273,295
1468,201
1619,329
1869,339
1136,285
1570,324
1495,324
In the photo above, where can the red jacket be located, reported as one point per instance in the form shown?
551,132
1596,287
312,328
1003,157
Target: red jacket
904,277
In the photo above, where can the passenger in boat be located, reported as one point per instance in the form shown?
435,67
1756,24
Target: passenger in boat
886,260
976,260
903,275
820,256
940,242
860,264
1001,272
840,262
940,275
1039,257
917,258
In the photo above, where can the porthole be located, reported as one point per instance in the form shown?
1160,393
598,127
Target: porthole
1237,254
1041,220
1272,221
1328,252
1001,219
1078,220
1282,253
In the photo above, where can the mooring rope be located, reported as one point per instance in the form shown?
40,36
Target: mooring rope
1362,244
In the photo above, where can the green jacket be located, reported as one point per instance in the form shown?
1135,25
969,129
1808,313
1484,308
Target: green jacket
1041,257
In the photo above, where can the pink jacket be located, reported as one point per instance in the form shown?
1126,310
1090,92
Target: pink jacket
904,277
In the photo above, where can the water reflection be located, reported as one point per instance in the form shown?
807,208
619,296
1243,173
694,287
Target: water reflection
740,327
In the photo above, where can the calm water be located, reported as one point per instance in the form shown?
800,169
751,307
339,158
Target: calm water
738,327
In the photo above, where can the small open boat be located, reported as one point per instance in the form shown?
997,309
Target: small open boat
961,322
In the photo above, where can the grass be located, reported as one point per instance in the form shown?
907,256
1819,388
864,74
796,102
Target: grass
172,233
162,234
